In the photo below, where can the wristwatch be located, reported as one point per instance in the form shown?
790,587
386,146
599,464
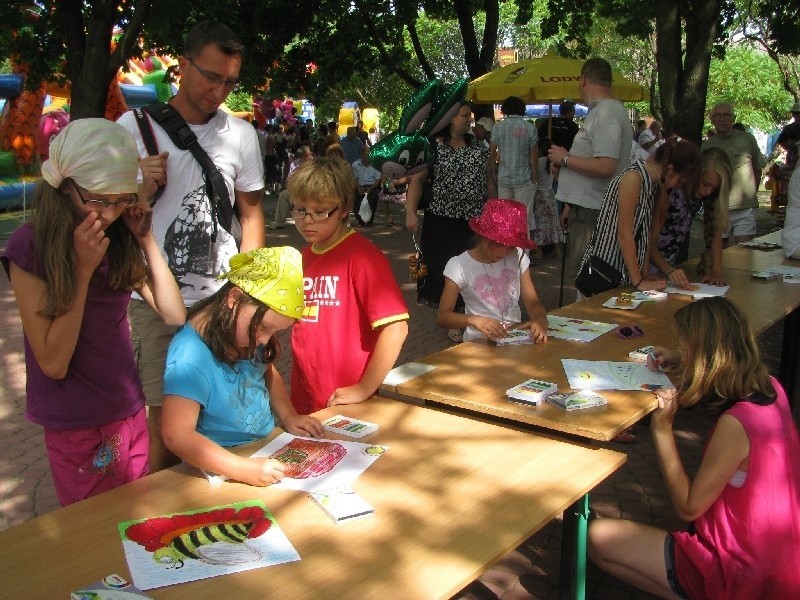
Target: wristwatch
564,160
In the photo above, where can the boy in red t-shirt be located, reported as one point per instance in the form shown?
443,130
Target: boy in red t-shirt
355,319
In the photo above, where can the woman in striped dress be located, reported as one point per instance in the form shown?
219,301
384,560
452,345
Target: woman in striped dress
623,228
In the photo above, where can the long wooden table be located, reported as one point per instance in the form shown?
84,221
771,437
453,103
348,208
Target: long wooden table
475,375
452,495
764,302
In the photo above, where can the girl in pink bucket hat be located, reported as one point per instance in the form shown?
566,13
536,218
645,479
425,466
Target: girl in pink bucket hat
492,277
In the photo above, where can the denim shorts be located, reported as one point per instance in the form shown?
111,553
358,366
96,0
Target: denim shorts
669,561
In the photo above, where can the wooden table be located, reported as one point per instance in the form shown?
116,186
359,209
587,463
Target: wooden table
764,302
475,375
452,495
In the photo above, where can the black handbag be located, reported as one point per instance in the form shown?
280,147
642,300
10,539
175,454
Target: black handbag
597,276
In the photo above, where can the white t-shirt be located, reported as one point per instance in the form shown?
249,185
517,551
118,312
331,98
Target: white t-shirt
182,223
489,290
790,236
606,133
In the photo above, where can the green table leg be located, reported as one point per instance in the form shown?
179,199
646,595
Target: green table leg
572,579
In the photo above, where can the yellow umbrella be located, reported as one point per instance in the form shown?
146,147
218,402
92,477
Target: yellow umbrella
550,78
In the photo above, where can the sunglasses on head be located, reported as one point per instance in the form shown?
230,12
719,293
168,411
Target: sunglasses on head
629,332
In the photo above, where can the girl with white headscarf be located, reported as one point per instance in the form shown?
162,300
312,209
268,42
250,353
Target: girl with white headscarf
72,269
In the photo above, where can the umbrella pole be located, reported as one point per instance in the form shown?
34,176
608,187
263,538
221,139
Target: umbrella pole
563,267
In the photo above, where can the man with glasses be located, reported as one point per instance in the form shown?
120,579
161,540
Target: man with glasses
747,162
196,249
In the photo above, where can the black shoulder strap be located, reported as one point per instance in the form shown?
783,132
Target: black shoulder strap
184,138
150,144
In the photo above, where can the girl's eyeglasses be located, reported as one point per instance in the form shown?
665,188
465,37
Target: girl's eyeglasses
97,202
630,332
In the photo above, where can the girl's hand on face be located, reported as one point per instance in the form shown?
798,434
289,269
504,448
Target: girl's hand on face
90,243
491,328
664,416
139,219
265,471
663,359
305,425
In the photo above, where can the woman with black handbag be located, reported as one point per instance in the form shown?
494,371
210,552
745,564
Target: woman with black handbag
617,253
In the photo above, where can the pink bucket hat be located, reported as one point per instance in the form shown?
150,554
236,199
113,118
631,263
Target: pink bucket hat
504,222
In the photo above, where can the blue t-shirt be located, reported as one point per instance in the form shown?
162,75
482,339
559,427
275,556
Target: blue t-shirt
234,401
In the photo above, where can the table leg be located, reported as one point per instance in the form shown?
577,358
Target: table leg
572,578
789,353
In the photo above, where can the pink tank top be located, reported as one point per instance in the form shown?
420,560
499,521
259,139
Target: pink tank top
747,545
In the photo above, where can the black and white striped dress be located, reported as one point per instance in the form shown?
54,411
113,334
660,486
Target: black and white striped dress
604,242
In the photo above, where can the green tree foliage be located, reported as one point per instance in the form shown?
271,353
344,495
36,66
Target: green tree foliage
685,35
753,83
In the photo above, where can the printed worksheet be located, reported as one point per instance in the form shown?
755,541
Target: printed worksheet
579,330
314,464
606,375
699,290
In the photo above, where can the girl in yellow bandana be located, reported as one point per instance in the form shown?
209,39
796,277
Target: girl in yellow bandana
221,386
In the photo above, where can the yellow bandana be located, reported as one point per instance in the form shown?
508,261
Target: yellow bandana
273,276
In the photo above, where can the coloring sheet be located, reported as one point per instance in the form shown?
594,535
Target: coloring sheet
576,329
314,464
205,543
699,290
605,375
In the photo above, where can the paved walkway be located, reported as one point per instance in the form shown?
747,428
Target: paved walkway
531,571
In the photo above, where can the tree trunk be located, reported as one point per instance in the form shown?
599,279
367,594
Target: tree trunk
683,77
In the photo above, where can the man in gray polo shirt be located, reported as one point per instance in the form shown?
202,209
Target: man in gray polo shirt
600,151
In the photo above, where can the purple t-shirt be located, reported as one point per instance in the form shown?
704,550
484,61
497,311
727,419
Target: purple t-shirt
102,383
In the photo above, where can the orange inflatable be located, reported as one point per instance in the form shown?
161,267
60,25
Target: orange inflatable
19,128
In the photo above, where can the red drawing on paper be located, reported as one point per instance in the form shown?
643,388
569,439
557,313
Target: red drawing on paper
308,458
207,536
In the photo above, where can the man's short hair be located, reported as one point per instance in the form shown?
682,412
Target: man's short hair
324,178
566,107
597,71
513,106
212,32
641,123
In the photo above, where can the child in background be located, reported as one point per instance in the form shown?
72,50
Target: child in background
72,269
673,216
744,502
221,386
545,211
493,276
355,318
621,237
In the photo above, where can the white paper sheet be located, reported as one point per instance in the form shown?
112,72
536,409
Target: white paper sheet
576,329
702,290
339,463
403,373
606,375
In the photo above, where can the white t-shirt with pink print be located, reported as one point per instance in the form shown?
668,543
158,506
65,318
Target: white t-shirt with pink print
489,290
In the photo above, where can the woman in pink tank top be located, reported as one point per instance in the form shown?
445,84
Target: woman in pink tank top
744,502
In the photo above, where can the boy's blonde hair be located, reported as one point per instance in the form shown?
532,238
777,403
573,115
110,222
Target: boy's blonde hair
722,361
324,178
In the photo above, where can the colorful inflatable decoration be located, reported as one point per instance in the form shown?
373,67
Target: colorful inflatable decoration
51,123
407,150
